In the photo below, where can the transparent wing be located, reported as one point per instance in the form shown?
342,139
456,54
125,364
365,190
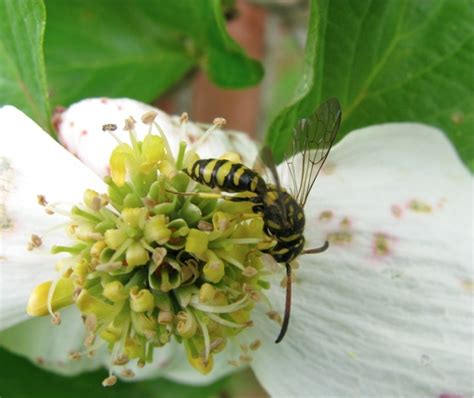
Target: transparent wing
266,158
313,138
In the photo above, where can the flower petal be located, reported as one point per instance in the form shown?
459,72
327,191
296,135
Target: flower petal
31,164
387,309
80,131
50,346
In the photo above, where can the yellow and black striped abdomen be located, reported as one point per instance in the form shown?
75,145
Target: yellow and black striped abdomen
226,175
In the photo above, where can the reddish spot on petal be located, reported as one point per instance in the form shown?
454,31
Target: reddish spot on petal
104,100
119,107
40,361
419,206
107,171
450,395
326,215
397,211
345,223
441,203
57,117
83,133
71,124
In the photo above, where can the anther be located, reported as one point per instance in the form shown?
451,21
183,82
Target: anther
75,356
274,316
205,226
255,345
184,118
109,127
42,200
149,117
56,319
128,373
219,122
89,340
109,381
129,124
35,241
121,360
234,363
244,358
91,353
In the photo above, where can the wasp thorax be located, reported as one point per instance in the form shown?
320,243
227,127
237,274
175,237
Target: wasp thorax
157,258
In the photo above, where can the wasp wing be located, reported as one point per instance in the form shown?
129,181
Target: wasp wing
313,138
266,156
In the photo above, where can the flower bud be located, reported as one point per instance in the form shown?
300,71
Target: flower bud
206,293
156,230
196,242
133,217
114,291
141,301
136,255
132,348
153,149
165,317
94,201
232,156
97,248
114,238
214,269
187,324
201,364
62,297
142,324
89,304
118,163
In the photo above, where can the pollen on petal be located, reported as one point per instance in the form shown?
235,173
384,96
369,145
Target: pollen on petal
326,215
419,206
340,238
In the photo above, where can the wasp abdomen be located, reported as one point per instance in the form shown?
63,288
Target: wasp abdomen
226,175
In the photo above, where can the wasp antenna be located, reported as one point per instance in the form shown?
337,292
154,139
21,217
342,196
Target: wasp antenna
317,249
286,318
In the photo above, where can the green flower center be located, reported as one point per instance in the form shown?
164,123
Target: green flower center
158,257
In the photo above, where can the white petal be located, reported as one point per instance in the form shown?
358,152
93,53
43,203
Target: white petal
80,131
49,346
387,322
32,163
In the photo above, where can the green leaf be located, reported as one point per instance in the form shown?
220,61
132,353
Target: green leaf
98,48
21,379
388,61
22,72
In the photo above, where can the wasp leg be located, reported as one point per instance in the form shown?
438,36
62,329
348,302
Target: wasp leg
317,249
286,318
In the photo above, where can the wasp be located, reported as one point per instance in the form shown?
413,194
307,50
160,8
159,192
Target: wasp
282,212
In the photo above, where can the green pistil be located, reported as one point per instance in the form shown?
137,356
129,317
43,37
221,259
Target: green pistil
149,262
181,152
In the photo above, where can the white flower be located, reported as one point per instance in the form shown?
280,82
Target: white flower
386,311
